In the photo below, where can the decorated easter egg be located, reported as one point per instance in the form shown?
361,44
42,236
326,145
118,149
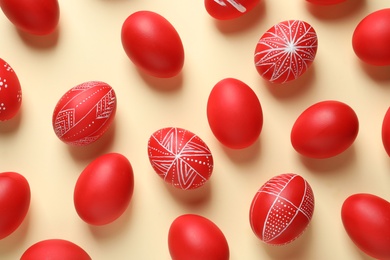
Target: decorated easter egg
84,113
325,129
366,219
55,249
286,51
39,17
234,113
104,189
371,38
196,237
229,9
10,92
180,157
282,209
14,202
153,44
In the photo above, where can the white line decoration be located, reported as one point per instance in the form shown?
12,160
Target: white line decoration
239,7
180,157
286,51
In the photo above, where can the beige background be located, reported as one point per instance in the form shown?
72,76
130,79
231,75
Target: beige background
87,47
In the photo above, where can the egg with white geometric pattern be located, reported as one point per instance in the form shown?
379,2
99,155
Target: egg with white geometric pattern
10,92
286,51
84,113
180,157
282,209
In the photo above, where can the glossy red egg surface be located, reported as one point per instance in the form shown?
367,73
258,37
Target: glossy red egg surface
39,17
366,219
84,113
193,237
180,157
371,38
15,198
104,189
55,249
10,92
286,51
325,2
234,113
153,44
325,129
386,131
282,209
229,9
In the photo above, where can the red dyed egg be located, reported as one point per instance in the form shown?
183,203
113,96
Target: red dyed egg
84,113
282,209
229,9
55,249
10,92
386,131
286,51
180,157
14,202
234,113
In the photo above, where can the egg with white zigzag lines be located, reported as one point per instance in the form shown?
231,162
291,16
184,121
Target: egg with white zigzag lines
84,113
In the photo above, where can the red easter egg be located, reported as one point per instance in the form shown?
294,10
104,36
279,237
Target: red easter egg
180,157
84,113
386,132
282,209
286,51
229,9
10,92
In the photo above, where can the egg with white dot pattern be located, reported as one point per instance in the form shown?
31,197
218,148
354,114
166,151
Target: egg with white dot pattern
180,157
10,92
84,113
286,51
282,209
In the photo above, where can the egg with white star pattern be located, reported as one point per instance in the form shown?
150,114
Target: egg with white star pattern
10,92
286,51
282,209
84,113
180,157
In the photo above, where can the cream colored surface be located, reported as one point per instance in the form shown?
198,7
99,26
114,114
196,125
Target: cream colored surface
87,47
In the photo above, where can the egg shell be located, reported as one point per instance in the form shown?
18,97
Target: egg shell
153,44
325,129
84,113
193,237
229,9
386,132
371,38
286,51
10,92
104,189
55,249
366,219
38,17
282,209
234,113
15,196
180,157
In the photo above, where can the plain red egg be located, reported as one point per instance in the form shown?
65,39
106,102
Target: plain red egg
84,113
325,2
15,198
286,51
55,249
282,209
153,44
194,237
180,157
386,131
39,17
325,129
229,9
234,113
371,38
10,92
366,219
104,189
